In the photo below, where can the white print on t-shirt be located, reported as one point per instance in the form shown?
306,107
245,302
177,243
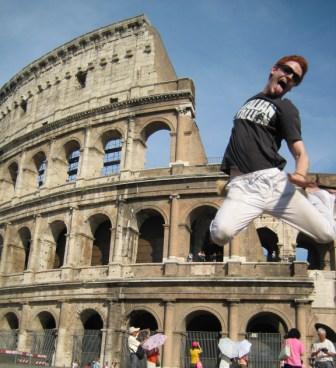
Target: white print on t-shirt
258,111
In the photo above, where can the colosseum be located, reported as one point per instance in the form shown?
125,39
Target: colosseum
93,242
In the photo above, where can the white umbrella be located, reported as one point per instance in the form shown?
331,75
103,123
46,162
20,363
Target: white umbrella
244,347
228,347
154,341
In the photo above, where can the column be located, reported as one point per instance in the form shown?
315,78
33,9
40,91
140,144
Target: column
302,310
64,347
169,358
113,339
233,322
19,179
173,233
24,338
34,257
128,149
118,241
165,241
4,254
235,247
84,157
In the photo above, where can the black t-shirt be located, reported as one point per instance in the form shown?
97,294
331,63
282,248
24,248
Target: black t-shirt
259,127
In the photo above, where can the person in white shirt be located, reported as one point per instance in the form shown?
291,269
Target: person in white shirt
133,344
323,351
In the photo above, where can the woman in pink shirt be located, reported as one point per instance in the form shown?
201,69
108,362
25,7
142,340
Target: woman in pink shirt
296,349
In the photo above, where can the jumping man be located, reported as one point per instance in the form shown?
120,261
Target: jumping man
258,183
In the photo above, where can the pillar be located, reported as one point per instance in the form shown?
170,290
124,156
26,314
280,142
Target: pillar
118,240
24,338
173,233
302,306
169,358
84,167
113,339
233,322
64,347
4,254
19,180
127,163
179,135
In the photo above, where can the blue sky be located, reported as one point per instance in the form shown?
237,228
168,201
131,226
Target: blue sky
226,46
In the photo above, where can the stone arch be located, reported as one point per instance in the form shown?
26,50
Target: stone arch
319,256
99,248
91,319
201,247
194,311
56,256
151,236
269,241
72,152
19,251
10,174
267,322
1,245
34,171
9,321
9,326
144,318
44,334
331,334
44,320
143,148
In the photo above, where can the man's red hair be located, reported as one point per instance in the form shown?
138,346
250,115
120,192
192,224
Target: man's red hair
299,59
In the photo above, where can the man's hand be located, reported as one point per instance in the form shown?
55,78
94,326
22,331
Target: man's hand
301,181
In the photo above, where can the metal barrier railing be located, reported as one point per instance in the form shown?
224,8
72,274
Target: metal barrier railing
87,346
208,341
8,339
265,350
44,342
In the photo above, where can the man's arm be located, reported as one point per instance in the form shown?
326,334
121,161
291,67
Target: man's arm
299,177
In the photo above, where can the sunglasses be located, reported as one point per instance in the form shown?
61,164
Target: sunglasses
289,71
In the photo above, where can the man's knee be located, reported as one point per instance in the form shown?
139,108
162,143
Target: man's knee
221,233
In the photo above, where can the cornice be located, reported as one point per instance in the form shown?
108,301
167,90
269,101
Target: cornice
100,35
172,96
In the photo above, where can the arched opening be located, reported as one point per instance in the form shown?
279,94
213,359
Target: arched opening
112,143
156,153
201,247
87,343
150,242
265,331
9,331
13,170
204,328
266,323
21,257
269,241
40,162
331,334
1,246
143,320
72,151
101,231
44,336
318,256
59,231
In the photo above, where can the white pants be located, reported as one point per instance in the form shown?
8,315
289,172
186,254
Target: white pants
269,191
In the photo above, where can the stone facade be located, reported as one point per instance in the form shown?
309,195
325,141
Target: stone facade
92,241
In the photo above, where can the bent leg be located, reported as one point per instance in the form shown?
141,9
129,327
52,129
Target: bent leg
233,216
310,214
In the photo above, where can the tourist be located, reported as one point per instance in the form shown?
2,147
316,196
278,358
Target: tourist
195,355
323,351
258,183
296,349
133,345
153,358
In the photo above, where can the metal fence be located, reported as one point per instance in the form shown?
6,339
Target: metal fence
44,342
265,350
8,339
208,341
87,346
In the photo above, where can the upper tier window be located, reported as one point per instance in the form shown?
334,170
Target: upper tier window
112,156
73,160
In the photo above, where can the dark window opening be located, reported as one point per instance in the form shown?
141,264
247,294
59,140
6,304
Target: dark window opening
41,172
23,105
73,161
143,320
81,77
112,156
